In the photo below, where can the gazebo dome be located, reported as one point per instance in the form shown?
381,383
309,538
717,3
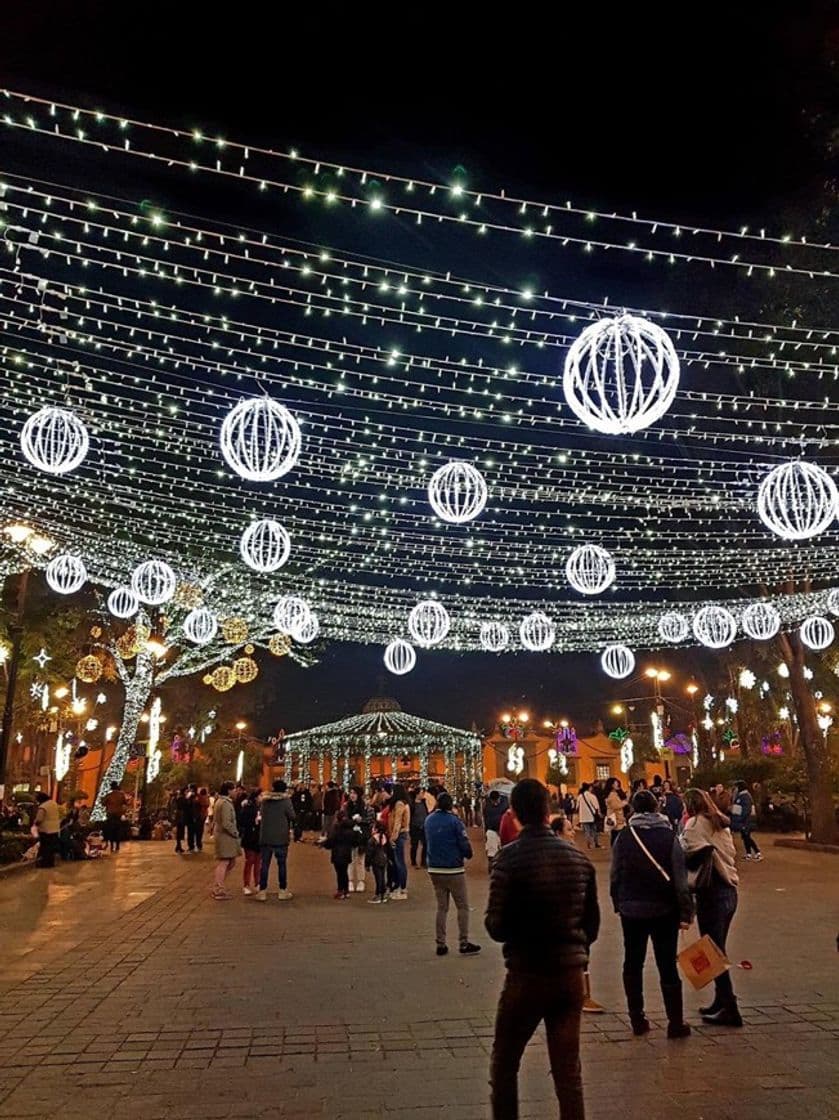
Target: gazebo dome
381,704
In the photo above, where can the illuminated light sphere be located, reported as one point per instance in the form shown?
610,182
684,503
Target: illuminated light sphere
89,669
200,626
306,631
428,623
265,545
54,440
188,595
761,621
621,375
260,439
290,613
673,627
494,636
153,582
123,603
279,645
817,632
66,574
537,632
590,569
833,601
234,630
617,661
714,627
246,670
400,657
797,500
222,678
457,492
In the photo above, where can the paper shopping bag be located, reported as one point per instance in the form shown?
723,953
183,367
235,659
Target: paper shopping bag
702,962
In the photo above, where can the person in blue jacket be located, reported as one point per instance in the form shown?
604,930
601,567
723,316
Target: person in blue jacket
447,846
742,820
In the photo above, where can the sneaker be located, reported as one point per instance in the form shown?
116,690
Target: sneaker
375,901
261,896
758,857
246,890
360,887
442,950
749,856
285,896
221,895
467,949
352,888
592,1006
400,896
339,896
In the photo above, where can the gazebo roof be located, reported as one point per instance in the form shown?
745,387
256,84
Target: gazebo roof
383,727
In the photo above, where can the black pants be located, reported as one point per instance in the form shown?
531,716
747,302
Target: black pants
342,875
380,875
112,830
715,910
48,845
418,841
664,934
195,834
749,844
527,1000
180,833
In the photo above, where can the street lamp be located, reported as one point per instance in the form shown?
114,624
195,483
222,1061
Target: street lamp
240,761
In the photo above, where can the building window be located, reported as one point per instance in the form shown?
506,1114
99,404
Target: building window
602,771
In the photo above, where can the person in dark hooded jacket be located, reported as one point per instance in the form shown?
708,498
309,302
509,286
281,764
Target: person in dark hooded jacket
342,843
276,822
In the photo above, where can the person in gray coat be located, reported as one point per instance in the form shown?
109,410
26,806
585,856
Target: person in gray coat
277,819
226,837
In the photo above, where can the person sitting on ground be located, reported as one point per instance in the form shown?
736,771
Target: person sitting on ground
448,846
378,858
341,843
277,821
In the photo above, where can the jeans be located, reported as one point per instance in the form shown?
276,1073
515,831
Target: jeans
341,874
380,875
664,933
526,1000
280,852
446,887
590,833
749,844
399,846
417,842
715,909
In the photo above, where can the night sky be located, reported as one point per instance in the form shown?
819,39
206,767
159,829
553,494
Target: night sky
712,115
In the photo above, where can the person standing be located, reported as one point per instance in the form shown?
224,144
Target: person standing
193,817
317,809
202,808
419,815
331,805
588,809
650,893
721,798
378,859
247,820
543,907
341,843
672,805
275,829
361,818
226,836
706,836
399,825
114,803
448,846
615,808
47,823
182,809
742,820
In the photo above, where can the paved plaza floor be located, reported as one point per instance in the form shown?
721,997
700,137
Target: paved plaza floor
126,991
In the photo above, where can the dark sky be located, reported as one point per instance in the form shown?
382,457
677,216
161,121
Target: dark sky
706,112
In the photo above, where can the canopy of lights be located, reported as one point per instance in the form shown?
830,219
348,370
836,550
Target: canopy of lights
357,406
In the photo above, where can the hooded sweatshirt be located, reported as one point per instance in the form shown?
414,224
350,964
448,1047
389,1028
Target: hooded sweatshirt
277,820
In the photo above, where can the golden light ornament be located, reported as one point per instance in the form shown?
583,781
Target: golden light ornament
223,678
207,678
279,645
89,669
246,670
188,595
234,630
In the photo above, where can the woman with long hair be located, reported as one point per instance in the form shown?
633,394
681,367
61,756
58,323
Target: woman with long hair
226,837
615,808
710,855
399,825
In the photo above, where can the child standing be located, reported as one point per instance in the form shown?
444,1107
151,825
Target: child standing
341,842
378,857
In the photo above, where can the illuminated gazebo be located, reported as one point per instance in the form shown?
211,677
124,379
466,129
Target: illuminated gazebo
383,742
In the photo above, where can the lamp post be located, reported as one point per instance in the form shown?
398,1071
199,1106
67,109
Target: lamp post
240,761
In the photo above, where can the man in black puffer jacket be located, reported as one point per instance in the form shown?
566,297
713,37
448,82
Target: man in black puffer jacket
543,906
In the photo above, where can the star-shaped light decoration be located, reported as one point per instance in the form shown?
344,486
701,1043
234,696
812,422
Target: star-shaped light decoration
42,658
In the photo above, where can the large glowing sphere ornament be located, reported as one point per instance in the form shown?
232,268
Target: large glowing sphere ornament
306,632
537,632
66,574
400,657
590,569
715,627
761,621
817,632
494,636
673,627
265,545
428,623
123,603
621,375
457,492
200,626
54,440
260,439
290,613
797,500
617,661
153,582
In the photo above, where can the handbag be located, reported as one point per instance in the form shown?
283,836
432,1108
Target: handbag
702,961
700,868
610,823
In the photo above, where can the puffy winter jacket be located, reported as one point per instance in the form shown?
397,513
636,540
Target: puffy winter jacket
542,903
446,842
277,820
638,888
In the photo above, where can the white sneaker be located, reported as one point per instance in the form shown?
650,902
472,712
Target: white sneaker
353,888
246,890
758,857
400,896
748,856
285,896
360,886
261,896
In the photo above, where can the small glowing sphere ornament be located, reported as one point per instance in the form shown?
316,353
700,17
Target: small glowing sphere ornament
817,632
200,626
234,630
246,670
89,669
590,569
494,636
66,574
400,657
428,623
621,375
617,661
279,645
457,492
54,440
123,603
714,627
260,439
537,632
797,500
673,627
306,632
760,621
265,546
222,678
290,613
153,582
188,595
833,601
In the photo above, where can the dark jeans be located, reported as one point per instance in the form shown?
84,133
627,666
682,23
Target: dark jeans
749,844
380,875
526,1000
417,842
195,834
664,933
342,875
180,833
48,845
715,909
280,853
399,860
112,830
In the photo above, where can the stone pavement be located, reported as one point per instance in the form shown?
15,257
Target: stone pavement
125,989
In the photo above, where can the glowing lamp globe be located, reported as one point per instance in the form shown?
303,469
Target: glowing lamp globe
797,500
617,661
761,621
673,627
590,569
290,613
123,603
537,632
494,636
54,440
428,623
66,574
817,632
265,545
200,626
621,375
457,492
400,657
260,439
714,627
306,631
